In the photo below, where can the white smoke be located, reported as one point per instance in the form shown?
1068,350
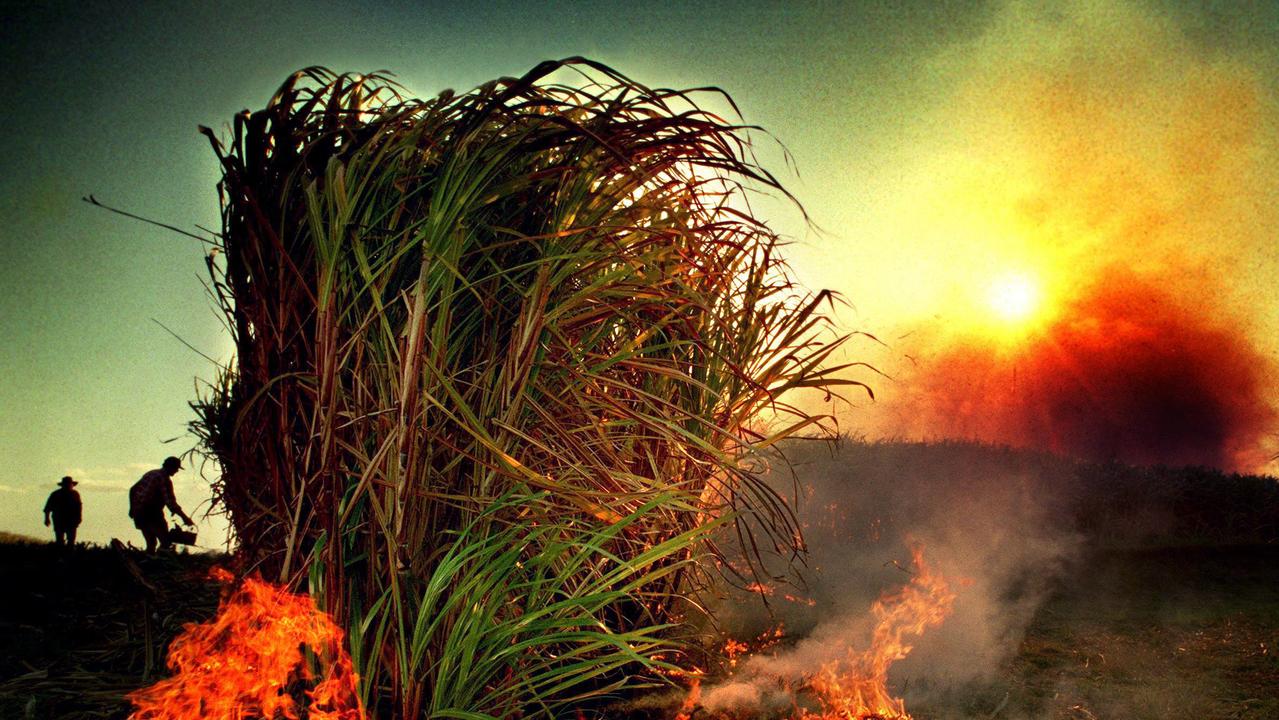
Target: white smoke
990,523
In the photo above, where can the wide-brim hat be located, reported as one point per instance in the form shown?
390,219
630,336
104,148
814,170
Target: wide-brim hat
67,482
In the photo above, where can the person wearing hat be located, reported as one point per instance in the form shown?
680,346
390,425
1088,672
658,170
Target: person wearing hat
148,498
64,505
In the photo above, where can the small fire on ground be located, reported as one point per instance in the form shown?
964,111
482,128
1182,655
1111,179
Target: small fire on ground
852,687
249,662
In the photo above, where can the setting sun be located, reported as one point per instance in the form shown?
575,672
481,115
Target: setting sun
1013,297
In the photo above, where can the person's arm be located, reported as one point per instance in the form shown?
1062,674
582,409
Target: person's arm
48,508
172,502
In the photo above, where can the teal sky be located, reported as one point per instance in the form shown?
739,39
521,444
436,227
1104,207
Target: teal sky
880,104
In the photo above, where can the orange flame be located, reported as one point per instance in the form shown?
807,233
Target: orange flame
690,702
857,685
247,662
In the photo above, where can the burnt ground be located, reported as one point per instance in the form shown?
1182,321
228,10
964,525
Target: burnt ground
79,629
1168,634
1141,633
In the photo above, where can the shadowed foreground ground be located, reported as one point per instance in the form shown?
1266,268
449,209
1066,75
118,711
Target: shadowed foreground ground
1138,628
1141,634
80,629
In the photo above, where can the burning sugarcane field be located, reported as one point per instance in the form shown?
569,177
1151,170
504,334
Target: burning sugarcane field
749,361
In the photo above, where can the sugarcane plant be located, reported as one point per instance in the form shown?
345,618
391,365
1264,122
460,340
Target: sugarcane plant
505,364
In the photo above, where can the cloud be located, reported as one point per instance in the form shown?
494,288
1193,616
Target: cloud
110,479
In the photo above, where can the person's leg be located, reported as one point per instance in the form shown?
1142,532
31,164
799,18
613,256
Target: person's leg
59,535
71,533
151,523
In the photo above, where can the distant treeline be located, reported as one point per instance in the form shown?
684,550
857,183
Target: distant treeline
1109,505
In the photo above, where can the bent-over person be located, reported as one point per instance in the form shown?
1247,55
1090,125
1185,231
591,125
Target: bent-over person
64,505
149,497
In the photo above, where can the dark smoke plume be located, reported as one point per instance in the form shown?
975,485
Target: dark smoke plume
1125,372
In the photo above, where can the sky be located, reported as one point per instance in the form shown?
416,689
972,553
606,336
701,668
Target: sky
1057,220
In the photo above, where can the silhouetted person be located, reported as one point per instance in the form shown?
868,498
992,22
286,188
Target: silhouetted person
64,505
149,497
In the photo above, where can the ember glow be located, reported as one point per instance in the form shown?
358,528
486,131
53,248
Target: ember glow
248,662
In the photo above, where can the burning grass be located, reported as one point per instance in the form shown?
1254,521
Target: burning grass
249,662
857,685
1173,633
851,683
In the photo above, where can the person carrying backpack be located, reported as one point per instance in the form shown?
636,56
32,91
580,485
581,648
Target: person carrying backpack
148,498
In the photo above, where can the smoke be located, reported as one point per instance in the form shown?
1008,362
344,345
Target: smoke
1129,158
1126,371
1129,162
988,522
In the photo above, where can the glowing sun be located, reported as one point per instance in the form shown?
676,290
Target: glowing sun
1013,297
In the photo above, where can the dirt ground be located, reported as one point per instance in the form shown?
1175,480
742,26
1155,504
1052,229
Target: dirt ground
1158,634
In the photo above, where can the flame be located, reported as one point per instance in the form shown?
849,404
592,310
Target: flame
247,662
690,702
857,685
